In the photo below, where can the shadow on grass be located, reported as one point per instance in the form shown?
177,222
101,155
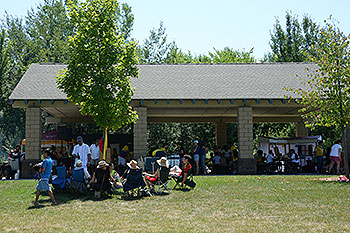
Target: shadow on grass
67,196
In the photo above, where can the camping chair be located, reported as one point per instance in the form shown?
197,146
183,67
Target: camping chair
77,181
103,184
189,182
59,181
162,182
133,183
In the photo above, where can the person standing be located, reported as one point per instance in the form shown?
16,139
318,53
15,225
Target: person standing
81,151
319,156
44,174
95,154
180,150
203,155
335,155
196,155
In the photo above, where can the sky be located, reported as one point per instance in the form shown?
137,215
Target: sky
201,25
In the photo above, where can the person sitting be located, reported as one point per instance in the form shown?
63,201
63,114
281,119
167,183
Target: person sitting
186,169
79,166
260,161
132,178
270,162
294,157
102,178
162,173
217,159
295,161
80,178
158,153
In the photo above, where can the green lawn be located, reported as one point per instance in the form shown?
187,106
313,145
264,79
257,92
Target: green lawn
217,204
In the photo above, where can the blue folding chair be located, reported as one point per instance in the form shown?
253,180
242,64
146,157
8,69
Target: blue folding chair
78,175
59,182
77,181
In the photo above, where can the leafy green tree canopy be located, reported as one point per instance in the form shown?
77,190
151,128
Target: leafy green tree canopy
101,64
295,42
325,96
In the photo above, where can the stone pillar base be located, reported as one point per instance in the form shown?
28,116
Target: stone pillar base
247,166
27,168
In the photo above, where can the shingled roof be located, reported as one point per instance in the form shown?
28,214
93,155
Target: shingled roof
182,81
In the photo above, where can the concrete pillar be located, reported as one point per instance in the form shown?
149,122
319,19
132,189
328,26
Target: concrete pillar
246,162
33,140
301,130
140,134
221,135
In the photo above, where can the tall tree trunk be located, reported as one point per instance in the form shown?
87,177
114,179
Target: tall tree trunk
346,148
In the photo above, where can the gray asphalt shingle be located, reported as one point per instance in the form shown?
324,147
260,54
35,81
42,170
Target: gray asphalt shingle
182,81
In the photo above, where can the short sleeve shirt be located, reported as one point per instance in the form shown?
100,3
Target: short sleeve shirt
335,150
47,164
186,167
83,152
95,151
318,151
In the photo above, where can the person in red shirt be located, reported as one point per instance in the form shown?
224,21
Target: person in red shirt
186,167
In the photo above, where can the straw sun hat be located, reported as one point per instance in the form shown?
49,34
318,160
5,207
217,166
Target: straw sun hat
132,162
163,162
102,164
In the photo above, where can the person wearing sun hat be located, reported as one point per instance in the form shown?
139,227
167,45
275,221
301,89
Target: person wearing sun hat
163,164
78,167
102,178
132,177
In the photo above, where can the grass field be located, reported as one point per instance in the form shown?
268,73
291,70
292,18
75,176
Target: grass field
217,204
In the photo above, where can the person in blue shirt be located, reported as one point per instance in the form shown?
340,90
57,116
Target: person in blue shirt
45,173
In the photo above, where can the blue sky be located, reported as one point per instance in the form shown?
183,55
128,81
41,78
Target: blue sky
200,25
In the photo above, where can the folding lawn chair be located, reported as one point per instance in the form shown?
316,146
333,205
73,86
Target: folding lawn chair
133,184
59,182
77,181
162,182
189,182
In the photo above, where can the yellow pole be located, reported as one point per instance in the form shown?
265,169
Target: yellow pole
105,144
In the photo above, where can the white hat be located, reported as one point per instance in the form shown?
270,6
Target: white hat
79,163
163,162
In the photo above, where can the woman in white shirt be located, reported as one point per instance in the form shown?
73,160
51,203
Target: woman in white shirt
335,155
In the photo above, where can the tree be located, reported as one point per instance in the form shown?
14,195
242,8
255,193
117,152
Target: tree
293,43
228,55
125,19
101,64
176,56
48,29
155,49
325,96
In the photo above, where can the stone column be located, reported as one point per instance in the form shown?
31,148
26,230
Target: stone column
221,135
246,162
33,140
140,134
301,130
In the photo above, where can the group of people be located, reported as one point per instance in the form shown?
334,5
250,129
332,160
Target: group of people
104,175
272,162
226,156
